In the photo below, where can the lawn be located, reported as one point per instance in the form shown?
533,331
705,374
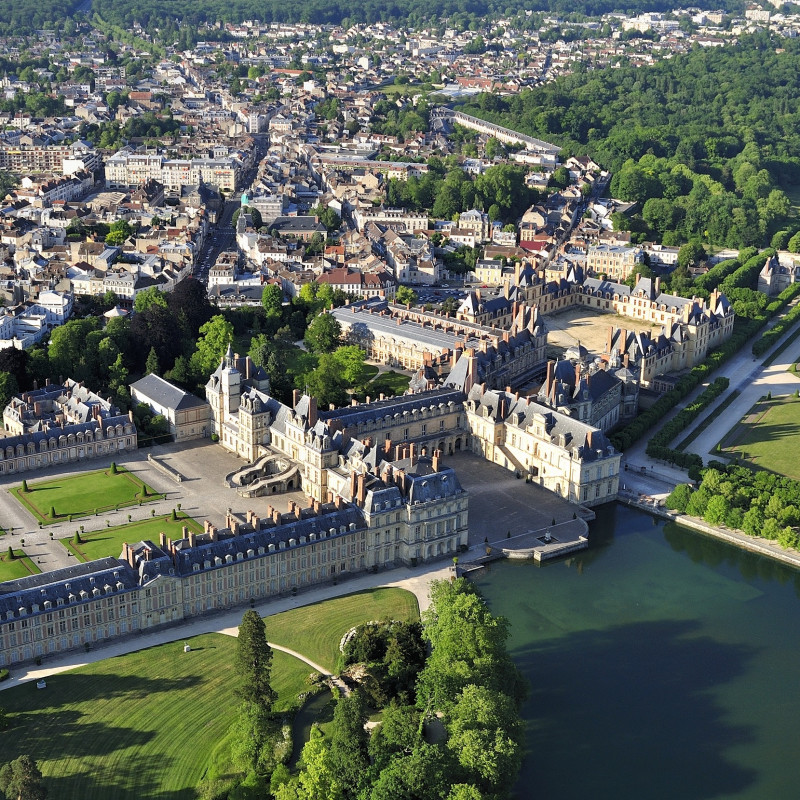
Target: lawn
108,541
316,630
20,567
768,437
390,383
137,726
82,494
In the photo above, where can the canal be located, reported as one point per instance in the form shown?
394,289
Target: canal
662,664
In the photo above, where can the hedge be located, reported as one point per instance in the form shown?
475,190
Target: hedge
658,447
743,329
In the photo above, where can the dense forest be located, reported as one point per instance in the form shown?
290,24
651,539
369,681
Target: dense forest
21,16
706,143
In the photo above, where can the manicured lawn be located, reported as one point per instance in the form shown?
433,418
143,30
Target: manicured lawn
316,630
20,567
138,726
79,495
390,383
108,541
768,437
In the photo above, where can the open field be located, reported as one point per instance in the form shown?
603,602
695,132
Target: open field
82,494
587,327
108,541
20,567
316,630
137,726
768,437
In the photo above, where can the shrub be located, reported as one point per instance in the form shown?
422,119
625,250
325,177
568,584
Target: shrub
52,512
24,485
113,467
4,673
77,538
10,555
174,515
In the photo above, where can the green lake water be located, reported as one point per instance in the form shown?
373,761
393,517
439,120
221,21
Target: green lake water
662,665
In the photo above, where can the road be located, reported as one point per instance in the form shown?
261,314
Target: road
751,378
222,236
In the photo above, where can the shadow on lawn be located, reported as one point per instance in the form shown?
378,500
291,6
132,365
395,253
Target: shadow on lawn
129,777
76,687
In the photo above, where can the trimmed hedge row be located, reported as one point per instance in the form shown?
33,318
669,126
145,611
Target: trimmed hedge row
658,447
711,279
743,330
768,338
746,277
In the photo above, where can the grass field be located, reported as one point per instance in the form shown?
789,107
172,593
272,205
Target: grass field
137,726
20,567
108,541
150,724
79,495
316,630
768,437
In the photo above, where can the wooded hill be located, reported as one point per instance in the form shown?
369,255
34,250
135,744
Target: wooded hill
707,143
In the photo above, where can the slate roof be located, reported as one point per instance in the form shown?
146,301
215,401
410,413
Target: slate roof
378,409
165,394
60,584
186,557
583,441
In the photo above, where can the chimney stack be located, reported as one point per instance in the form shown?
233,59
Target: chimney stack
436,461
361,491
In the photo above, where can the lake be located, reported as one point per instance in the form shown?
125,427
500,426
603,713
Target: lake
662,666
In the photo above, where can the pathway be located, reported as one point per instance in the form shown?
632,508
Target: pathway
414,579
747,375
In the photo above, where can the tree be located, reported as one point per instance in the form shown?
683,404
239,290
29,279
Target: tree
16,362
351,361
151,365
326,382
119,232
188,302
560,177
349,757
690,254
679,497
317,780
485,734
8,388
406,296
253,662
323,334
272,300
152,296
215,337
21,779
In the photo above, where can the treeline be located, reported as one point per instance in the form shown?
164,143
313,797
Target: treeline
760,503
412,13
23,16
714,277
501,190
705,142
468,689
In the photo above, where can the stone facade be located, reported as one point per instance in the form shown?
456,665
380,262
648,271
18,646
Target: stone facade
408,512
58,424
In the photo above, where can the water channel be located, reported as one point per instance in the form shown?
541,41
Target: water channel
662,665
